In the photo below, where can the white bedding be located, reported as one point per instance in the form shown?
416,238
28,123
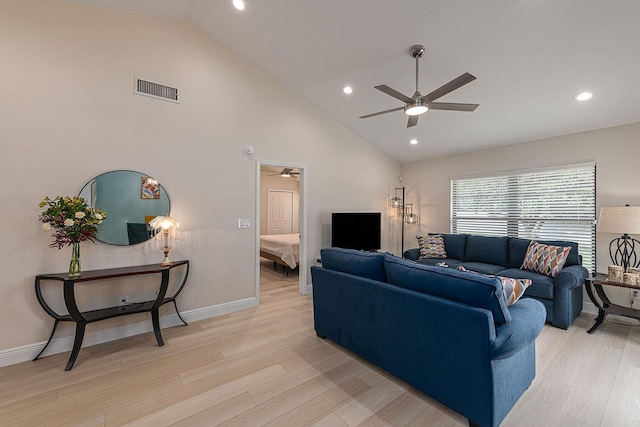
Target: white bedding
285,246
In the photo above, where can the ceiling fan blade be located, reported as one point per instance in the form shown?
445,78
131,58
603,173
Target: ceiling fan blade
381,112
452,106
449,87
413,120
392,92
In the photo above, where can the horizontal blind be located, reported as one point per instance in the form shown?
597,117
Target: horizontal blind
557,204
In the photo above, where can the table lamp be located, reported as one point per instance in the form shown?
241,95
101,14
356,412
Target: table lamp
166,224
623,220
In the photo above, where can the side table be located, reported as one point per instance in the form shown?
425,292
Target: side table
82,318
604,305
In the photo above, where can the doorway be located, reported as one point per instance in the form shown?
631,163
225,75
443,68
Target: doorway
282,179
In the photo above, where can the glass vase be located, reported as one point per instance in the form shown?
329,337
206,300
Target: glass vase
74,265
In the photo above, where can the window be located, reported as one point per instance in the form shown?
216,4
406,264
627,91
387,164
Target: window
550,204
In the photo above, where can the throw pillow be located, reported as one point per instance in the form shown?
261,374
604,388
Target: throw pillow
512,289
431,246
545,259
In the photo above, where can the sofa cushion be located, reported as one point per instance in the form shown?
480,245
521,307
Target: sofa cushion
448,262
541,285
545,259
483,268
487,250
468,288
454,244
431,246
351,261
518,248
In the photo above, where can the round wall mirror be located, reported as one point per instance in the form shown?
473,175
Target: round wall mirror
130,199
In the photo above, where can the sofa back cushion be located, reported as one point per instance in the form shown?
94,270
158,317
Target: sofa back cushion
351,261
488,250
455,245
468,288
518,248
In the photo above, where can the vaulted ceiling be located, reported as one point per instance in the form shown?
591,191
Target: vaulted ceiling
530,59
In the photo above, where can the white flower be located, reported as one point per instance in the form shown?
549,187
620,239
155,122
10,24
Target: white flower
98,217
80,215
68,222
46,226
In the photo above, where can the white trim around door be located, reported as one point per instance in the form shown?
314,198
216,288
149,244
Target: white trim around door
302,264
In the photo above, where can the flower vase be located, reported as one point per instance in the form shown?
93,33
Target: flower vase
74,265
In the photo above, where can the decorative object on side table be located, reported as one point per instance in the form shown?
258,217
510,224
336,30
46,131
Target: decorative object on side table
167,224
623,220
73,221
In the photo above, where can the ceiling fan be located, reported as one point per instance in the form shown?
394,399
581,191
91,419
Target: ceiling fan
287,173
417,104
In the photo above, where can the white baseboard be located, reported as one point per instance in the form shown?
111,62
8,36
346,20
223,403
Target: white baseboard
64,344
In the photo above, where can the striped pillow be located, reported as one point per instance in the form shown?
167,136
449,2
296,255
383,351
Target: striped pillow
545,259
512,288
431,246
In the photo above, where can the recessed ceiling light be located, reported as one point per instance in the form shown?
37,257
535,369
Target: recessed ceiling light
238,4
348,90
583,96
413,142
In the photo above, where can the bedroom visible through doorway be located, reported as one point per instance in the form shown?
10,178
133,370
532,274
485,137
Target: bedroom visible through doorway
281,220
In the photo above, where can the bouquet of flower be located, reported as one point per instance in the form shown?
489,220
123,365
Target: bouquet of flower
71,219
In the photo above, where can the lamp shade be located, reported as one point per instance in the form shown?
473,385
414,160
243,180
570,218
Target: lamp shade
164,222
619,220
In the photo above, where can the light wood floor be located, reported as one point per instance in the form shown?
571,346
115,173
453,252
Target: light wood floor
266,366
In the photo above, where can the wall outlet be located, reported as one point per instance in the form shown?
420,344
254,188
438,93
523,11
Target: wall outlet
123,300
635,295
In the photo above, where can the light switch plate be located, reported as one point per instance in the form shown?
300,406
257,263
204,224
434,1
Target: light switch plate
244,223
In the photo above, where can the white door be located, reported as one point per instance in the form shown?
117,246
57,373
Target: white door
280,212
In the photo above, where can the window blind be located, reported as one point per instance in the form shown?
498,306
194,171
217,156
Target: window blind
552,204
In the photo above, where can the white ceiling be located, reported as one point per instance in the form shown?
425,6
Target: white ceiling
530,58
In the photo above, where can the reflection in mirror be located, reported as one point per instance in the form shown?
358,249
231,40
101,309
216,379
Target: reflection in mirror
130,199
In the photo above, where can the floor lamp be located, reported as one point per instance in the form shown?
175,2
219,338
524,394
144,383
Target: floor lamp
623,220
405,211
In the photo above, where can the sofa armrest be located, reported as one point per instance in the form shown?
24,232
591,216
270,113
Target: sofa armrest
412,254
570,277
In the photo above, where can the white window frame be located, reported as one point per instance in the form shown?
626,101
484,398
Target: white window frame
539,204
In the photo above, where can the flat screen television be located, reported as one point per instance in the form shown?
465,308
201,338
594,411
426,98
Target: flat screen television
356,230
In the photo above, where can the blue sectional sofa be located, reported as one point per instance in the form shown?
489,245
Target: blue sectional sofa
503,256
446,332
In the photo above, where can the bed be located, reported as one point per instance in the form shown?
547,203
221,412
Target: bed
283,249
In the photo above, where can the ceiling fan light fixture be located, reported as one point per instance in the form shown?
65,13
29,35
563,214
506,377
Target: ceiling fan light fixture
285,174
583,96
415,109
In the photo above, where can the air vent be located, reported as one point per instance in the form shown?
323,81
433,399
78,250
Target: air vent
156,90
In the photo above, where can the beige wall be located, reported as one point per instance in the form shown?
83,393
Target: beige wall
616,152
68,113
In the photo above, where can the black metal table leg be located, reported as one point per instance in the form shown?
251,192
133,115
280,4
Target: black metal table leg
53,331
178,312
155,319
77,344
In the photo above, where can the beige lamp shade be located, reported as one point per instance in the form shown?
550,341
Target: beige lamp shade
619,220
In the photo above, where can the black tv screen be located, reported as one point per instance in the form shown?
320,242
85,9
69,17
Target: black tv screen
356,230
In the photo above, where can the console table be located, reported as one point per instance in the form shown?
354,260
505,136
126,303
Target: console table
605,306
82,318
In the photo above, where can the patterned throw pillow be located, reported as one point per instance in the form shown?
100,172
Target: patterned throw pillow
545,259
431,246
512,289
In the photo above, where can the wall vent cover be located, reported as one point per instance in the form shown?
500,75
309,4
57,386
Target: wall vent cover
156,90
